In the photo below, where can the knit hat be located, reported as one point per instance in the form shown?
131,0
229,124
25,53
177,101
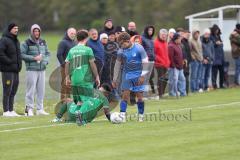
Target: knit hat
172,30
175,36
107,20
207,30
11,26
103,35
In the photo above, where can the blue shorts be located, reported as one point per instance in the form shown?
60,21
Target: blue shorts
131,84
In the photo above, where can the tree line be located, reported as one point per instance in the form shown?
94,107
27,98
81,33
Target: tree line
60,14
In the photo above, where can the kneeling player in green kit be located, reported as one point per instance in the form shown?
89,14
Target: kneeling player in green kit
86,110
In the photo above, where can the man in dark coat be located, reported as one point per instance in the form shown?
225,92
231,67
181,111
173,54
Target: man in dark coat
132,29
64,46
108,27
10,66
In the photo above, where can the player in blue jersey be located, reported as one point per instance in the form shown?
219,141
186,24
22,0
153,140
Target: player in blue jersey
132,56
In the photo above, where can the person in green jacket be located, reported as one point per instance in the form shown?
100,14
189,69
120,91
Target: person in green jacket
34,52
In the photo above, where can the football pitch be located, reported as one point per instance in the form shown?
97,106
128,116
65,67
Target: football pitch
197,127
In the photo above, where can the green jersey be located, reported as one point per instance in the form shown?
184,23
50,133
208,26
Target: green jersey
79,66
89,108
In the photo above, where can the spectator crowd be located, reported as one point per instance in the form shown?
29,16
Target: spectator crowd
183,61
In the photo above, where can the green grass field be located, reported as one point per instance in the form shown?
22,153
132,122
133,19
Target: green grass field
205,127
212,133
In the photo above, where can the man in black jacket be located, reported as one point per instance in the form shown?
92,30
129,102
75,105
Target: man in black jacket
10,66
186,56
108,26
132,29
63,48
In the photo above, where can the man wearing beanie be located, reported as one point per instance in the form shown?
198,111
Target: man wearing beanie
235,44
35,53
208,52
10,66
108,26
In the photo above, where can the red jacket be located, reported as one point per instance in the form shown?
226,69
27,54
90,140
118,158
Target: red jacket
161,53
175,55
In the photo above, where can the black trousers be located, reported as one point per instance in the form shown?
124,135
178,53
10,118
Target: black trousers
186,74
215,70
151,82
10,81
99,65
162,81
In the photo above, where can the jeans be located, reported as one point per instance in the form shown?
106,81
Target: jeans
237,71
206,70
177,82
195,75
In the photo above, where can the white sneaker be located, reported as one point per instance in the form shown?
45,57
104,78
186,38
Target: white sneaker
14,114
123,116
6,114
29,112
140,118
200,90
41,112
55,120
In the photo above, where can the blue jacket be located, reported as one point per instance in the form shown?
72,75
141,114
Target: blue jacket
98,49
63,48
148,43
218,58
207,49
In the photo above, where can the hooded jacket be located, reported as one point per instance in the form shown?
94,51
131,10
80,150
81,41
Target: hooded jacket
148,44
31,48
161,53
10,55
196,48
63,48
218,58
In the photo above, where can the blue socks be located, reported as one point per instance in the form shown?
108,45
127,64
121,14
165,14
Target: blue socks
140,106
123,106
